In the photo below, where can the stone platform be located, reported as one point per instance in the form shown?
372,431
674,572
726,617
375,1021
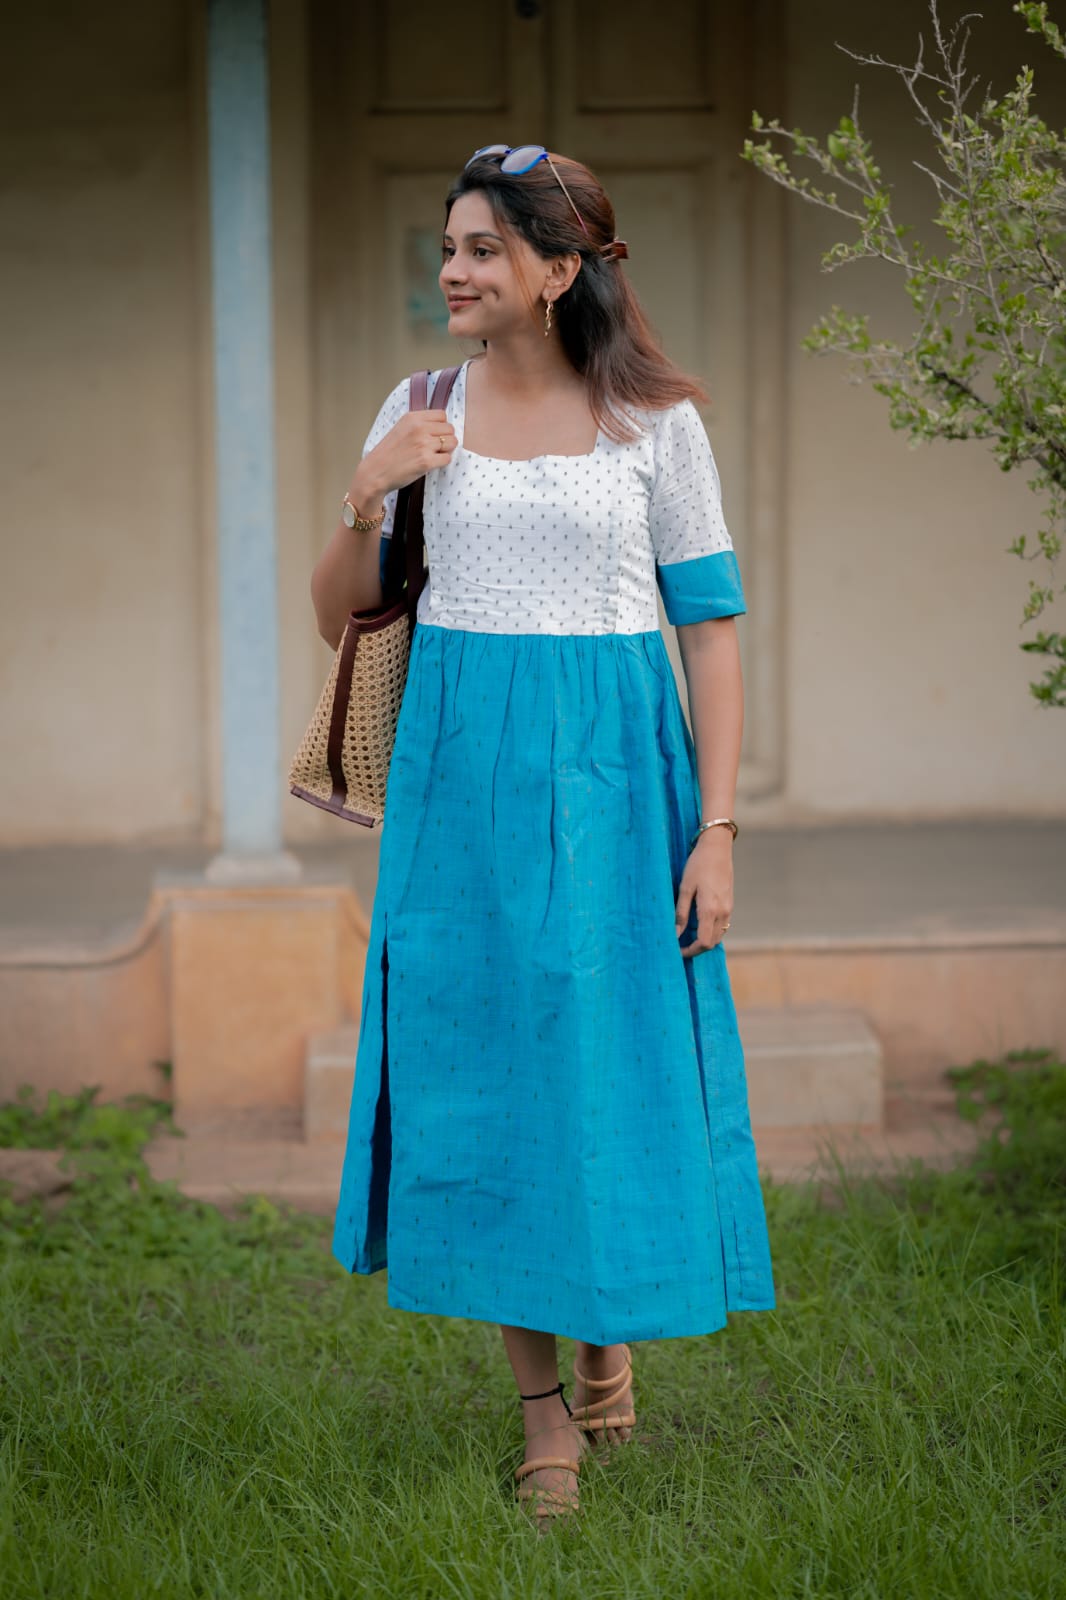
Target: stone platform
222,1169
865,959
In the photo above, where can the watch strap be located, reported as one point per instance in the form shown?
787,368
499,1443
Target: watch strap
360,524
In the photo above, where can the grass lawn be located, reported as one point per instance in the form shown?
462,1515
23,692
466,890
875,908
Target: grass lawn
195,1405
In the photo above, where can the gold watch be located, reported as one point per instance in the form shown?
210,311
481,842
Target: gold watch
351,518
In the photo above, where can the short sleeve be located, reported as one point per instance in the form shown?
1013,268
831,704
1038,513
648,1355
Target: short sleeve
695,565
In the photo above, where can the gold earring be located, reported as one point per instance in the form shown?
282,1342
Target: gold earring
547,318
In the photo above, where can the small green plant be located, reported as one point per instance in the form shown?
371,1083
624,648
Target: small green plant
1021,1100
1009,1199
987,356
114,1208
77,1122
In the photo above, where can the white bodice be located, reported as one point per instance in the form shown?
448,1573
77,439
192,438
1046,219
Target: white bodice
563,544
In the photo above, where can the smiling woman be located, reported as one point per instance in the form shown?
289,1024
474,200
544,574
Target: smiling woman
549,1126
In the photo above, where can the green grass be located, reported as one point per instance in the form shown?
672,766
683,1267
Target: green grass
195,1405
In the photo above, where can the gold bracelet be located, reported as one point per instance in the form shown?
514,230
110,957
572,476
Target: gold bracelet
715,822
351,518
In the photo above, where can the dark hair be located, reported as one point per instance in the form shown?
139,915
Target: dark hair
602,326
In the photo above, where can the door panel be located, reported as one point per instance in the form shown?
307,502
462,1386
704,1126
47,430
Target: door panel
416,70
626,58
414,333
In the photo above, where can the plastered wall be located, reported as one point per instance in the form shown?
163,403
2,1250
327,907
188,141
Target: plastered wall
100,616
906,687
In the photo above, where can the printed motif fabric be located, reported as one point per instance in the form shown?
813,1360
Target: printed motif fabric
549,1125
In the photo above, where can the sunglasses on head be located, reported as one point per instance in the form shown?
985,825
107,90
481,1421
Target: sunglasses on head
516,159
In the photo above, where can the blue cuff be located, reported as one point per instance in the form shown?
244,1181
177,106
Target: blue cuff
708,586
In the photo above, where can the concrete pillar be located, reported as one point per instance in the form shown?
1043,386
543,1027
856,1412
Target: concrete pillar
241,297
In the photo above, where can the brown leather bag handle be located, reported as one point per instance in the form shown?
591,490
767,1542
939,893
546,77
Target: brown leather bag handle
408,520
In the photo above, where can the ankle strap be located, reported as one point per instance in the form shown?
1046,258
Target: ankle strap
557,1390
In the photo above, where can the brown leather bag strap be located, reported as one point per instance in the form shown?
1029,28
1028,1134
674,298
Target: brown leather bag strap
338,720
407,525
417,387
413,530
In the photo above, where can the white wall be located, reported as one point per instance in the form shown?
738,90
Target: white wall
100,654
907,689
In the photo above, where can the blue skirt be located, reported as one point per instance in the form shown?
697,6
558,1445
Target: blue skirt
549,1125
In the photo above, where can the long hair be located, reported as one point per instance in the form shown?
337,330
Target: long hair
602,326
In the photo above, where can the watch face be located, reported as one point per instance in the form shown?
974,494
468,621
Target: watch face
348,513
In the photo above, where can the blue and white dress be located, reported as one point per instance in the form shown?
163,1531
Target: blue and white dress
549,1125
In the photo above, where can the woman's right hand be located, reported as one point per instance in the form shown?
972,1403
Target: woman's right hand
418,442
347,574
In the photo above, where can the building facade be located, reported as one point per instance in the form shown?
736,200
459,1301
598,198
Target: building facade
882,667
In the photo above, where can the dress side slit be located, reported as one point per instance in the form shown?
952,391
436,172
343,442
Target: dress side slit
381,1137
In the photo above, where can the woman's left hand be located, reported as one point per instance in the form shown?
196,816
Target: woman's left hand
708,876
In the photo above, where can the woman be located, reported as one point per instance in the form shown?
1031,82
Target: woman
549,1127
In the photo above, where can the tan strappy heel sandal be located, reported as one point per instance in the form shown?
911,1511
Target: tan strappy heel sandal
595,1425
547,1502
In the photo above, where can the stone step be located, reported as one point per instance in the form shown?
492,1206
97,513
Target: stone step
805,1065
811,1065
329,1072
307,1175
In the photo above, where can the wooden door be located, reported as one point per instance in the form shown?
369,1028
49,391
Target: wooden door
655,100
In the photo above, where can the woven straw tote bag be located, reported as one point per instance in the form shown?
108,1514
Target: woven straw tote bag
342,763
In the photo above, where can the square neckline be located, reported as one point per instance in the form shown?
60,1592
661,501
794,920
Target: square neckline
513,461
